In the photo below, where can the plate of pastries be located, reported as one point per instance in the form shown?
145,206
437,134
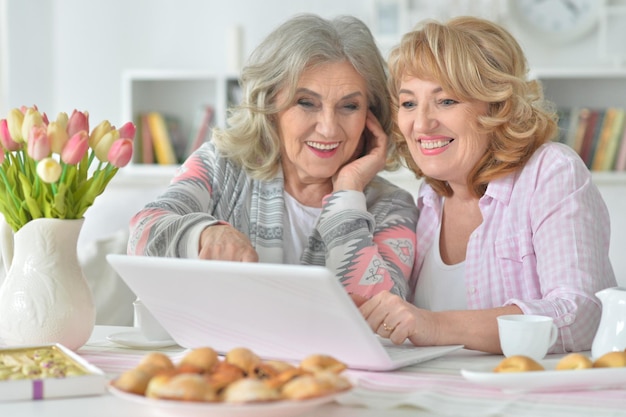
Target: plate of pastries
238,383
573,371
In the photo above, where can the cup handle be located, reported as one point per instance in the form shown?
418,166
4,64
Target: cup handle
553,335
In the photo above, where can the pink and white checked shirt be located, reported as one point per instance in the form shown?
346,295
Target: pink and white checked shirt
543,244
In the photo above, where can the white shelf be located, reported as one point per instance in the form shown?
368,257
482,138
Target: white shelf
591,87
179,93
578,73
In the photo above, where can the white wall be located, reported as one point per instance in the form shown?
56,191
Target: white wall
71,53
65,54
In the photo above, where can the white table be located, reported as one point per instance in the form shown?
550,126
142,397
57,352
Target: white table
439,388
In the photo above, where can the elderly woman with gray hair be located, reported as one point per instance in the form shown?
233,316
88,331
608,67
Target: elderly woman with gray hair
293,176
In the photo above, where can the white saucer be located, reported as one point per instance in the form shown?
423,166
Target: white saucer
135,339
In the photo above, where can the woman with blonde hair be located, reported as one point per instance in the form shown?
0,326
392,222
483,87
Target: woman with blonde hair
510,221
293,177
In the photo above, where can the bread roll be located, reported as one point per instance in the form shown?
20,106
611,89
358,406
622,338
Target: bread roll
518,363
611,360
243,358
134,381
574,361
155,362
199,360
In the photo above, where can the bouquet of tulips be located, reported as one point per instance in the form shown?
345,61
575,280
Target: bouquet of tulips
57,168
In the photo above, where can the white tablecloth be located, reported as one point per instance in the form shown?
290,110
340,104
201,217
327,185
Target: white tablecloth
434,388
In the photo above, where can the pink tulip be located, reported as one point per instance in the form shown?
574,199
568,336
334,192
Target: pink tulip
78,121
38,143
127,131
5,138
121,152
75,148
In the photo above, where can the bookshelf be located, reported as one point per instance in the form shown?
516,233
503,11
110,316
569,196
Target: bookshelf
581,87
181,94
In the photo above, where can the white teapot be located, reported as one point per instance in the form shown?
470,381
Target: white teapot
611,334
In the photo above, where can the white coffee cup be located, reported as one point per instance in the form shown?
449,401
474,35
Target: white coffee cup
148,325
526,334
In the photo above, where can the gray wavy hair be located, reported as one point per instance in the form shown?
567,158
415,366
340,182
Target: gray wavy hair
304,41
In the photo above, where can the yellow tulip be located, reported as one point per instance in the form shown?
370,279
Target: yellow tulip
32,118
104,144
15,119
62,120
98,132
58,136
49,170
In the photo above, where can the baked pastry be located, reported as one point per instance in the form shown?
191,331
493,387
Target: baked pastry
312,385
199,360
285,376
155,362
574,361
249,390
156,383
243,358
615,359
134,381
223,374
184,387
316,363
518,363
279,365
264,371
242,377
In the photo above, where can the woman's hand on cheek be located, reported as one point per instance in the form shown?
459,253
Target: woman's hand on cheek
224,242
369,158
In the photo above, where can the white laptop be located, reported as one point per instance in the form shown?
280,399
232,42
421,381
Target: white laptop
284,312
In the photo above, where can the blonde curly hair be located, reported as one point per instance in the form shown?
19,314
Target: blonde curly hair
477,60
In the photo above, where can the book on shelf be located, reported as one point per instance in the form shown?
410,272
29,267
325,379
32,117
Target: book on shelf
601,140
177,138
619,124
620,159
564,114
587,146
202,128
578,133
609,139
163,148
147,147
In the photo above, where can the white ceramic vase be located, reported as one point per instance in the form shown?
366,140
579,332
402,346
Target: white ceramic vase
45,297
